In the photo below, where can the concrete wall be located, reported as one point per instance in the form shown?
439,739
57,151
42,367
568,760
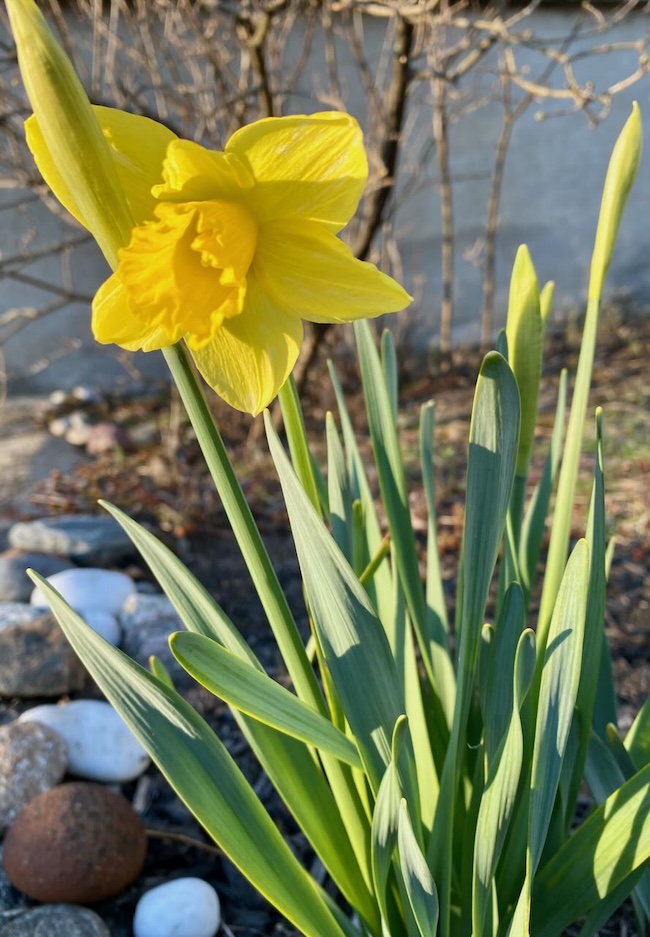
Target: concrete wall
552,186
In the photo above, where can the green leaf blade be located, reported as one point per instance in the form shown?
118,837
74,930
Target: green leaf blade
258,696
190,756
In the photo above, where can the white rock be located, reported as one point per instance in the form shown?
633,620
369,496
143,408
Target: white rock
186,907
57,397
59,426
103,623
101,747
84,589
85,394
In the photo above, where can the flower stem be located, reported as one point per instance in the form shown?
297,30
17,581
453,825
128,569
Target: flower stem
244,528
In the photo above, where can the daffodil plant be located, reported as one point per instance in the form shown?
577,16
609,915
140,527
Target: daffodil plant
433,768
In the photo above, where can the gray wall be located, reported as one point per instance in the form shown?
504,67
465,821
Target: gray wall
553,180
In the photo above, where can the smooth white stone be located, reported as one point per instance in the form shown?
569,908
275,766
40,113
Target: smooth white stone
89,588
86,394
57,397
186,907
59,426
101,747
103,623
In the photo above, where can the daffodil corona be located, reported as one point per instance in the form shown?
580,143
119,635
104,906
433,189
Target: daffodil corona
231,250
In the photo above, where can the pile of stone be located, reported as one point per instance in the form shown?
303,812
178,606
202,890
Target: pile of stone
78,417
70,838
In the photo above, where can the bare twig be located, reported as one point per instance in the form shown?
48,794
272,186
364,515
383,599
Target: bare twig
207,68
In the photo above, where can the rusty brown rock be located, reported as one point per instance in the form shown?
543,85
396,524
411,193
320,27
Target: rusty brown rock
76,843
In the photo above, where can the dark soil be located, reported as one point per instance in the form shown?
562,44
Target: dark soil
163,484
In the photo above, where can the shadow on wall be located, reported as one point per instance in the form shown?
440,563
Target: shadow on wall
550,200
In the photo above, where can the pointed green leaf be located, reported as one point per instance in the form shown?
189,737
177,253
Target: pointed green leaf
392,481
159,671
258,696
294,425
291,768
385,820
494,440
546,295
202,773
557,695
606,907
380,588
353,642
390,369
602,853
420,887
524,330
445,678
498,800
533,526
498,659
637,740
339,493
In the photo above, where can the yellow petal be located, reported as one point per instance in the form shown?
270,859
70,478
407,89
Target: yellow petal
305,167
312,274
252,355
137,146
192,173
115,322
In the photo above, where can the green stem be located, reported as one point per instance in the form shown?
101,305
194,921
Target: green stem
244,528
561,529
294,425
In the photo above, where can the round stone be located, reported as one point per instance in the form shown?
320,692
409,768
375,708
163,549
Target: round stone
33,759
186,907
147,622
57,398
76,843
103,623
11,900
79,428
84,589
56,920
86,394
59,426
15,584
37,660
84,538
15,613
101,747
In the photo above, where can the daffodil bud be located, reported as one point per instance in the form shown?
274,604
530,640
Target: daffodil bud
70,131
621,173
525,331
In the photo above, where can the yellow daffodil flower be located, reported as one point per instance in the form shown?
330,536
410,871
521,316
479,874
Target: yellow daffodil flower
232,249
